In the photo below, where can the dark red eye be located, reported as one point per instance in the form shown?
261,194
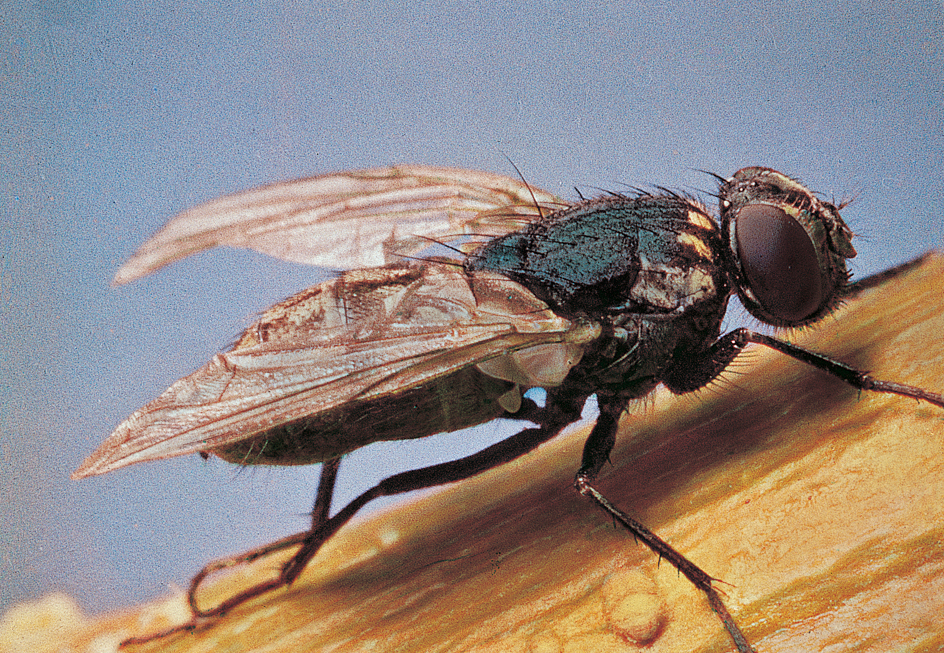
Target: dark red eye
779,262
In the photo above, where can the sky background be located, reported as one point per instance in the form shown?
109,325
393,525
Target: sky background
116,115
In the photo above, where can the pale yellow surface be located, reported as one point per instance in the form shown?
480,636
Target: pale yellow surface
822,511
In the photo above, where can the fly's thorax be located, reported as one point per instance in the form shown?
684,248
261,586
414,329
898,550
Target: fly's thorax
634,352
786,249
615,255
645,269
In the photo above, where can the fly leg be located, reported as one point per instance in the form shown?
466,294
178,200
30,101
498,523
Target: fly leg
852,376
319,515
551,420
596,452
694,372
691,373
685,378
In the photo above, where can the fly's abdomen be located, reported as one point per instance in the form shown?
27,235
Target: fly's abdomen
456,401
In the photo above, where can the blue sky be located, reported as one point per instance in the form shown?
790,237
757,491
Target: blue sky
116,115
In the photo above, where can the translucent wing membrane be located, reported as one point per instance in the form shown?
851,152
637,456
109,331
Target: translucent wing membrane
347,220
363,335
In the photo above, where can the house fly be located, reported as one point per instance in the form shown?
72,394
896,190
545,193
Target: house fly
607,297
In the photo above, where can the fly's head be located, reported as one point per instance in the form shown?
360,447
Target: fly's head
786,249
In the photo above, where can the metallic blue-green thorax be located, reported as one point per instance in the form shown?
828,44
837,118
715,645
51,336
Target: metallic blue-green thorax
647,268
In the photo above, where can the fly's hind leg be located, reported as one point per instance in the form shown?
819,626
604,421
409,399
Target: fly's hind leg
201,617
319,515
551,420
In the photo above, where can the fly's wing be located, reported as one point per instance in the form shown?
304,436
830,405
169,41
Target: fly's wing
366,334
347,220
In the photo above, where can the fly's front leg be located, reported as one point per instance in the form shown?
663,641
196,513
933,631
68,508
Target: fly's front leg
596,452
687,377
852,376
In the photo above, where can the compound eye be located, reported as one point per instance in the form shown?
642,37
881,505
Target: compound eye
779,261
